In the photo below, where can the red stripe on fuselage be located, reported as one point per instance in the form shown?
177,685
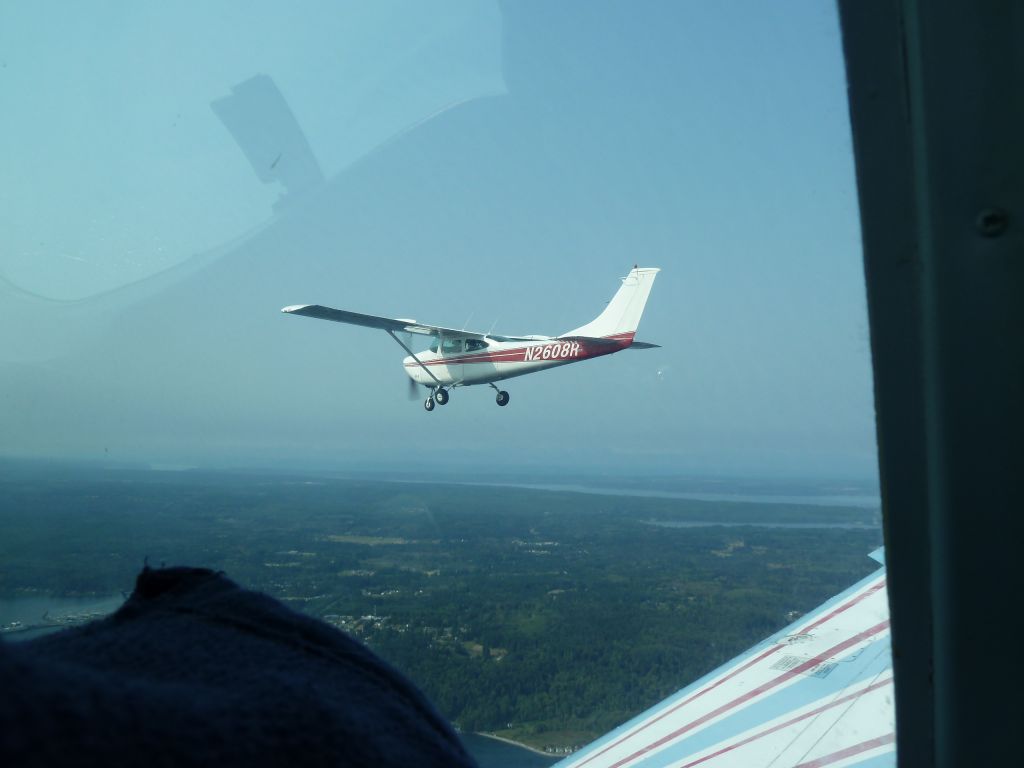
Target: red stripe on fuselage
563,350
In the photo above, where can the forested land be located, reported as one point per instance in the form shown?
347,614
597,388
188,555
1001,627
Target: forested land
530,612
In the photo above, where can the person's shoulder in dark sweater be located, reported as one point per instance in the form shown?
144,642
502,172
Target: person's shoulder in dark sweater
194,669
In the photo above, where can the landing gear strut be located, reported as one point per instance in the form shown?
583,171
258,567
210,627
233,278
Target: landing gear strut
502,398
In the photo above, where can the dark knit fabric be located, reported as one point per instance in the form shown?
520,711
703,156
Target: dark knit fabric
194,670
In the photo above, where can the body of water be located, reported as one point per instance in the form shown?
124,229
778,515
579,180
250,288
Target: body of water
491,753
859,500
49,614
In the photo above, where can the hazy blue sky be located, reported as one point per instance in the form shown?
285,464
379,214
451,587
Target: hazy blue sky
486,164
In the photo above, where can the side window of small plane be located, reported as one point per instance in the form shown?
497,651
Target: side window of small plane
433,345
451,345
472,345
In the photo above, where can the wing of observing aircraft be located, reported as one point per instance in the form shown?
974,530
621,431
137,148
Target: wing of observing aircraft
818,693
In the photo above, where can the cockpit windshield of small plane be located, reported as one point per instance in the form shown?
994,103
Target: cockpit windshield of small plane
513,176
453,346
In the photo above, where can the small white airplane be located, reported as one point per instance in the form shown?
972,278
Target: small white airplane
462,358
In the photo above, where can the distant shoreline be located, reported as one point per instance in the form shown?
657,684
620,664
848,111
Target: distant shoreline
514,743
854,501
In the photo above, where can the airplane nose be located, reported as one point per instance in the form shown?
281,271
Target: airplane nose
410,371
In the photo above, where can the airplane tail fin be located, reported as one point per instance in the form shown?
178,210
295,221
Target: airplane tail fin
622,315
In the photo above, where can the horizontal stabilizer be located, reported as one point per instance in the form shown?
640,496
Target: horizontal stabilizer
593,340
598,341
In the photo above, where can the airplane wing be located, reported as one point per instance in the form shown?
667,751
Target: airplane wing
402,325
620,303
405,325
818,693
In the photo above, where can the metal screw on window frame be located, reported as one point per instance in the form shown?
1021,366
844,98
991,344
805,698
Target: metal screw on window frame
992,222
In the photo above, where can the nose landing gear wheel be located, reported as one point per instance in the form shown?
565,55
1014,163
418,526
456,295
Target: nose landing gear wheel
429,403
441,396
502,398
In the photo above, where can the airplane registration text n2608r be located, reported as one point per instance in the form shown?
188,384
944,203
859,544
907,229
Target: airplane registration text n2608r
460,358
552,351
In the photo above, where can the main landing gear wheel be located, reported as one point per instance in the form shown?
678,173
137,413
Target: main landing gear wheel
429,403
441,396
502,398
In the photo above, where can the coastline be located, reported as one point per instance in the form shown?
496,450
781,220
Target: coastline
515,743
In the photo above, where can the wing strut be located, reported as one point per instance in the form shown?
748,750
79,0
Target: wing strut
413,354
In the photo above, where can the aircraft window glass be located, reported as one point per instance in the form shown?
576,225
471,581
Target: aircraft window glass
505,165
